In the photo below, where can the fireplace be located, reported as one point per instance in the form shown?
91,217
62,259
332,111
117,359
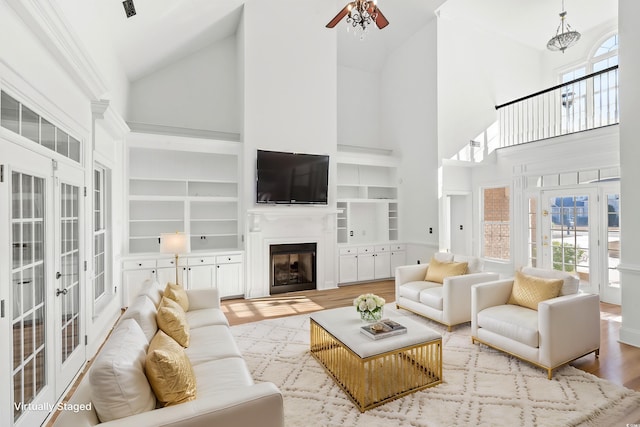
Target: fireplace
293,267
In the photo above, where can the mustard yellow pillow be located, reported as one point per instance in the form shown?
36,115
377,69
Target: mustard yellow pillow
528,291
437,271
169,371
173,321
178,294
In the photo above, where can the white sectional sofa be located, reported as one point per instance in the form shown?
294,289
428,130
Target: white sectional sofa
225,392
448,302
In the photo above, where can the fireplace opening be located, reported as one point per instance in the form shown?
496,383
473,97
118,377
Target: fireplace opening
293,267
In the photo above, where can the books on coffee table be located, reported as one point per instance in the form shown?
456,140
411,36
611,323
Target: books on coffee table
383,329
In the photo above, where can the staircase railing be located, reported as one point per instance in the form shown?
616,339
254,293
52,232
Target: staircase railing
581,104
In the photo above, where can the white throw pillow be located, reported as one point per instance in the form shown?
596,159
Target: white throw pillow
443,256
144,312
152,289
474,265
569,287
119,387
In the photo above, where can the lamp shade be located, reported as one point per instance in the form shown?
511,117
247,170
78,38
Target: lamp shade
175,243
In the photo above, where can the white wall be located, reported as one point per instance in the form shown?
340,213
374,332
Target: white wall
197,92
477,70
629,16
408,121
359,108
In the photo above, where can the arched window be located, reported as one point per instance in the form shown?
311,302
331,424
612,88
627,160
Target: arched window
606,55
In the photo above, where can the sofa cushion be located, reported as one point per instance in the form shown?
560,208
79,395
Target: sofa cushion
169,371
411,290
217,377
206,317
474,264
528,291
571,282
178,294
437,271
119,387
432,297
152,289
143,311
211,343
513,322
173,321
443,256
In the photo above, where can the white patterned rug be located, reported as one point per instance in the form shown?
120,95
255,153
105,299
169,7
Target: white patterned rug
481,387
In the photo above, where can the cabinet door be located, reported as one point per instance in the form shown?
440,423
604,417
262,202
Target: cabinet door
132,281
229,279
202,277
348,269
366,267
382,265
168,274
398,258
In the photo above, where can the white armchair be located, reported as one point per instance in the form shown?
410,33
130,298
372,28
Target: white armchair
562,329
448,302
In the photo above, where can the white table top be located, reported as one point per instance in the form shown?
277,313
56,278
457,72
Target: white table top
344,323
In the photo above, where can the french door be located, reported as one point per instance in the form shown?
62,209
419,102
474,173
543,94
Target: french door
581,235
43,251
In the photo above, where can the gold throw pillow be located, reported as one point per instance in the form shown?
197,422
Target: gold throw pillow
437,271
528,291
169,371
173,321
178,294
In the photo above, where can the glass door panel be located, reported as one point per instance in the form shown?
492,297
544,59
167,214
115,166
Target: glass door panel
611,291
29,320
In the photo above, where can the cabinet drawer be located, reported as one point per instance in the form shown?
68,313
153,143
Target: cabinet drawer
139,265
348,251
205,260
366,249
398,247
383,248
171,262
228,259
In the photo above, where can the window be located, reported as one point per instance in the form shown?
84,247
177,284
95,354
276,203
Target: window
20,119
532,231
496,226
101,259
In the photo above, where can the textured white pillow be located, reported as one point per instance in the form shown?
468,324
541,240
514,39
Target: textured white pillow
153,290
474,265
119,387
443,256
144,312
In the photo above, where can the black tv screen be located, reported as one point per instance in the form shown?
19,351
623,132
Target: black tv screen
291,178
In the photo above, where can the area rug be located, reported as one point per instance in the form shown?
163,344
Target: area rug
481,387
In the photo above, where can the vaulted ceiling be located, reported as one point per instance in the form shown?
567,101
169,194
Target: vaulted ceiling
163,31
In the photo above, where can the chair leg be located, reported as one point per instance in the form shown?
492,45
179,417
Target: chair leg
549,373
597,353
449,328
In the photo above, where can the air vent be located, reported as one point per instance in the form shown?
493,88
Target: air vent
129,8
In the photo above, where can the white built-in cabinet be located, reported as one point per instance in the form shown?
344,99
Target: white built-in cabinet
224,271
190,185
358,263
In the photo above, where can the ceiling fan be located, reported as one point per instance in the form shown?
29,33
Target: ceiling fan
360,13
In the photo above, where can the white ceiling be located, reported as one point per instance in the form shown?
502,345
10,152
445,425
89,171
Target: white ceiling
166,30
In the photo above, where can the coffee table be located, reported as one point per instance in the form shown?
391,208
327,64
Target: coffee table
373,372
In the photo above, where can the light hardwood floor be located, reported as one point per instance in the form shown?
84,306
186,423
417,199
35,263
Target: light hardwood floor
618,363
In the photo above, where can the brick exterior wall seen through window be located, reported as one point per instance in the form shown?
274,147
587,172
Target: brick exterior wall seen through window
496,223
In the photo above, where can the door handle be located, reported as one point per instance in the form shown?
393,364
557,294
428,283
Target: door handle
61,291
58,275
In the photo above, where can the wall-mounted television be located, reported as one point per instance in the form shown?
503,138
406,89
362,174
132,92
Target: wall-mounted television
291,178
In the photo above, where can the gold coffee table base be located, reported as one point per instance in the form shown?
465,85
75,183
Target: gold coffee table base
375,380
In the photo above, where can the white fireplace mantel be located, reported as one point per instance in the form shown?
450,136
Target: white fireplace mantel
289,224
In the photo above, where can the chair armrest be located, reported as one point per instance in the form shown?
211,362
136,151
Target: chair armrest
569,327
410,273
489,294
456,295
203,298
260,404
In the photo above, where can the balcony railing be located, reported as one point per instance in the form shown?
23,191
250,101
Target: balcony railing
585,103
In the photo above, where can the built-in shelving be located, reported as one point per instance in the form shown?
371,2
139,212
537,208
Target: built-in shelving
367,195
192,188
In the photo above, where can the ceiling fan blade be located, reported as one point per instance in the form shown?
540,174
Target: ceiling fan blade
381,21
340,15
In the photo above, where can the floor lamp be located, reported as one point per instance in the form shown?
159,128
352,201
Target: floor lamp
175,243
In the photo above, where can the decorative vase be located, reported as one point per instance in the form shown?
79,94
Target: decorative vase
371,316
